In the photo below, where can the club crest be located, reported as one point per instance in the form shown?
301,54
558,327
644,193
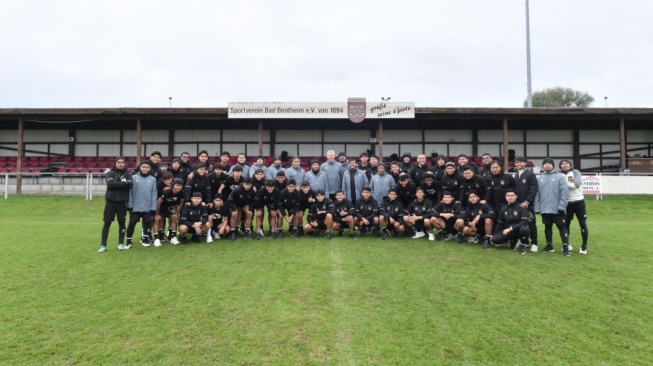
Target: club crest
356,109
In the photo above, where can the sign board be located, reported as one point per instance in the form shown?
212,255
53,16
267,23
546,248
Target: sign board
356,109
591,185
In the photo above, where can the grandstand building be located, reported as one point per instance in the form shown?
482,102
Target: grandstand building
81,140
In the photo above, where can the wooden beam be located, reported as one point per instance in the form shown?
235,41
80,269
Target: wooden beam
506,163
138,141
380,141
19,157
260,138
622,142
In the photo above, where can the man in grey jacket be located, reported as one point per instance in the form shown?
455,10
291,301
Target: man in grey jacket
381,183
272,170
295,171
334,171
317,178
142,203
551,202
353,181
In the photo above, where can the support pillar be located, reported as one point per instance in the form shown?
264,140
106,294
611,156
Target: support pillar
622,143
380,141
138,141
506,163
19,157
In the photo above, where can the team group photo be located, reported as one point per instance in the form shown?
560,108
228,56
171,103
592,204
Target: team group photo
345,197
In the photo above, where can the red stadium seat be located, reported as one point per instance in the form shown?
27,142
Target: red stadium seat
3,163
66,159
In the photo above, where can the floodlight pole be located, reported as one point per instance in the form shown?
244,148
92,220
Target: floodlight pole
529,97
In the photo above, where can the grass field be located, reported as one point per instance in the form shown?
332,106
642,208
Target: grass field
312,301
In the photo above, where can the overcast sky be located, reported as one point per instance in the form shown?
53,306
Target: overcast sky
464,53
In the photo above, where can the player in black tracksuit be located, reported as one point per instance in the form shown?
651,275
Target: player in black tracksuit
391,213
193,219
452,180
480,219
199,183
219,216
343,212
169,207
367,212
448,216
240,200
216,178
418,214
319,215
288,208
431,187
306,199
405,190
268,196
512,223
500,183
526,189
474,182
119,182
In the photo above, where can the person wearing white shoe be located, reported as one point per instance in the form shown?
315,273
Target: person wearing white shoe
193,217
157,242
119,182
174,240
218,217
417,215
168,206
576,202
512,222
480,217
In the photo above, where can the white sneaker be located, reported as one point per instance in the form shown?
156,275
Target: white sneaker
145,244
471,239
570,247
157,243
217,237
419,234
533,248
209,239
431,237
582,251
174,240
449,237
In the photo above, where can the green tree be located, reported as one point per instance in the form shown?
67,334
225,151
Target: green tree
559,97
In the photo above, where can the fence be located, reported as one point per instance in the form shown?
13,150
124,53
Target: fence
93,184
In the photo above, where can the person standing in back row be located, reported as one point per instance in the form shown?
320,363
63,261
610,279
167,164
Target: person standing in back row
142,204
551,203
576,205
334,171
119,183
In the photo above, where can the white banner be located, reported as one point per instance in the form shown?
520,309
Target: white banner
591,185
318,110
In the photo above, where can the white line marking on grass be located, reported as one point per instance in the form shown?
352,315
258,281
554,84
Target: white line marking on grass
343,330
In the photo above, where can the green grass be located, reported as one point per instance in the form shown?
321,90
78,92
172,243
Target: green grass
312,301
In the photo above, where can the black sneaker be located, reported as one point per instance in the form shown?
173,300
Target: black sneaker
459,238
279,234
248,234
183,239
294,234
352,236
486,243
375,232
259,236
271,234
520,249
232,236
565,250
513,244
442,236
300,231
195,238
386,234
328,235
363,231
341,232
548,248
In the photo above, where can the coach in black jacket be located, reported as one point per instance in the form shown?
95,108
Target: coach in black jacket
119,182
